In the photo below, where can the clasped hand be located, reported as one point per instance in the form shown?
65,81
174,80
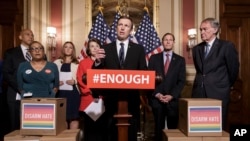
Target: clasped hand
164,98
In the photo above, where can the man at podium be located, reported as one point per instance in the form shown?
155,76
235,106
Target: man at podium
126,55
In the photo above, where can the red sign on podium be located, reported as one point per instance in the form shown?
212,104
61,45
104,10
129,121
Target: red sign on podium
120,79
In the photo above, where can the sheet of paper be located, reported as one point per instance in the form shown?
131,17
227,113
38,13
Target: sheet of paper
18,96
64,76
95,109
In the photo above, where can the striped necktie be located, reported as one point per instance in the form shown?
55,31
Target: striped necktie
28,56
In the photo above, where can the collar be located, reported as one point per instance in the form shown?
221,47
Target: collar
168,52
211,42
125,42
24,48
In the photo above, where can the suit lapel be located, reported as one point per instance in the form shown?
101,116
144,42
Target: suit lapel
114,52
202,52
214,47
20,54
172,63
161,62
129,53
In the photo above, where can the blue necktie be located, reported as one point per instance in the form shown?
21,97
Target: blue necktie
206,50
121,54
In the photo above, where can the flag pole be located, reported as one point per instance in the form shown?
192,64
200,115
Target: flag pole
100,8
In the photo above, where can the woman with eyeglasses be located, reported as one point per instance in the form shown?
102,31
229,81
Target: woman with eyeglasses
37,78
93,130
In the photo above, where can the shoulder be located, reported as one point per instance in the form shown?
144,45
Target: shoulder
178,56
134,44
106,46
24,64
74,65
13,50
137,48
88,59
156,55
224,42
58,61
51,64
199,45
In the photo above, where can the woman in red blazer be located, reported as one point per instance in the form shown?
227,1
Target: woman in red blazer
93,130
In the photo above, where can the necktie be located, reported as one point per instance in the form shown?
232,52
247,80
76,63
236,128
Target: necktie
121,54
166,63
207,49
28,56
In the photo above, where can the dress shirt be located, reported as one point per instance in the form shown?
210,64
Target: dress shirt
125,47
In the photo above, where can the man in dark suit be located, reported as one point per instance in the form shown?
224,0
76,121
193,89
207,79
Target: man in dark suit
217,66
122,54
12,58
164,100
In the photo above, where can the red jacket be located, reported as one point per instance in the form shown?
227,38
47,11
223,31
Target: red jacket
86,97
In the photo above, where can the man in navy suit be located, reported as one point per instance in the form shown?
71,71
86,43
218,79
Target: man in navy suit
217,66
164,100
12,58
132,58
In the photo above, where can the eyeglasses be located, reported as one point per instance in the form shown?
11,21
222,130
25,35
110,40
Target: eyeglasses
36,49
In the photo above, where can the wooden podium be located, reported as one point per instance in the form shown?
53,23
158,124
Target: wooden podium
121,79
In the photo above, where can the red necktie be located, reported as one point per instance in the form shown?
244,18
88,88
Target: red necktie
166,63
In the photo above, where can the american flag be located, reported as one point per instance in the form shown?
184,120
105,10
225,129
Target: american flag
112,33
99,30
147,36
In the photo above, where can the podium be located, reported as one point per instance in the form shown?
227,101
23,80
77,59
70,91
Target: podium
121,79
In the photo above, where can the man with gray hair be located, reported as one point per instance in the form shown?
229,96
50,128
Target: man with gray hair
217,66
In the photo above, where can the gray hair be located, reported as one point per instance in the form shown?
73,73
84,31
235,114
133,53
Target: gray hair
213,22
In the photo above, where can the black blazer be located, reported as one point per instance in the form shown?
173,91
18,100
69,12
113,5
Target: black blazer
218,72
12,58
135,60
173,81
135,57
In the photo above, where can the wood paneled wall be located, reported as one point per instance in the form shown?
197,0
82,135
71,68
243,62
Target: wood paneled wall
11,22
235,26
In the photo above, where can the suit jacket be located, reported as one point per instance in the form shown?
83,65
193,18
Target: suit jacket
135,60
86,97
12,58
218,72
135,57
173,81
